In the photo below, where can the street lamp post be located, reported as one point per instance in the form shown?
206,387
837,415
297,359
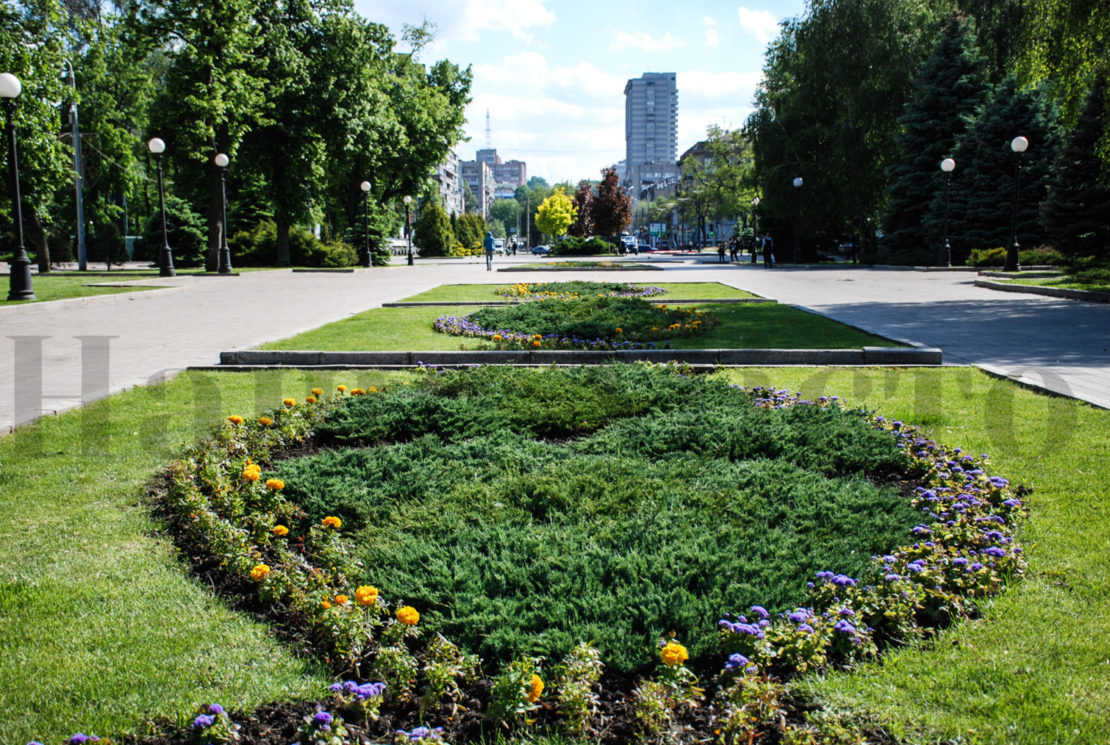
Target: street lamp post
408,225
1019,145
78,175
797,219
365,186
158,146
944,253
20,287
225,250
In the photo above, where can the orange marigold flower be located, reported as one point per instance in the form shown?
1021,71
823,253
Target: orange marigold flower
366,595
408,615
260,572
673,654
275,484
620,330
310,399
372,389
341,599
535,689
537,344
289,401
358,392
281,531
317,391
341,388
252,472
235,419
331,521
265,421
326,604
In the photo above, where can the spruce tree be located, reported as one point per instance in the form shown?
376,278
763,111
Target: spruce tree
1077,211
983,192
432,232
950,86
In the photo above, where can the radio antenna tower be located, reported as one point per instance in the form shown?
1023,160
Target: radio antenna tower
489,132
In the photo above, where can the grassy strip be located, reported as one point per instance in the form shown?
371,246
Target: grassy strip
104,628
1063,283
755,326
1036,669
675,291
55,287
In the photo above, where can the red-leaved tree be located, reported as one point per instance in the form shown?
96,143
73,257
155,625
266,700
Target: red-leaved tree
611,208
583,225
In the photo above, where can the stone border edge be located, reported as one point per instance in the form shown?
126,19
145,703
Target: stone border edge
1058,292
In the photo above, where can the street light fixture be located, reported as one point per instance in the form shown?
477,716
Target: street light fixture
365,186
1019,145
20,287
944,253
797,219
158,146
221,161
408,225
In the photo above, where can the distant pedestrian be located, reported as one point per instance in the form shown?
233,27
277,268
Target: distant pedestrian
720,253
488,244
768,251
753,248
733,247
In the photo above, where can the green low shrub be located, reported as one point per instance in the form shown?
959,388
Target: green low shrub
573,246
258,247
186,234
997,256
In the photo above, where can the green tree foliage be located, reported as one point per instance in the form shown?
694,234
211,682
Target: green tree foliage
611,208
470,230
556,213
834,86
983,195
184,229
1077,211
583,224
31,48
948,90
506,212
432,232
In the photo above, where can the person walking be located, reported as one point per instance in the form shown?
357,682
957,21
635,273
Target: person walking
488,244
720,253
733,247
753,248
768,251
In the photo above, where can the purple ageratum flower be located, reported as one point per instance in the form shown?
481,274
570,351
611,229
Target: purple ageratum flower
215,709
844,627
995,551
336,687
760,611
736,661
1012,502
960,561
846,612
975,567
805,627
922,530
892,578
322,719
799,616
79,738
370,690
203,721
843,580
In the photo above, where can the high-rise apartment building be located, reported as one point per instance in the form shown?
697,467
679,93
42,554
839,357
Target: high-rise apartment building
651,119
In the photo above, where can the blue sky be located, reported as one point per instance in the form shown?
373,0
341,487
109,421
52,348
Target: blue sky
551,73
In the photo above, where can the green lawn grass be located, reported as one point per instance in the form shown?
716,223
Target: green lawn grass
674,291
62,287
1062,282
743,325
1036,669
105,631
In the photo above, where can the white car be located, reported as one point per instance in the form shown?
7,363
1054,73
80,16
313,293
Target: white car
499,247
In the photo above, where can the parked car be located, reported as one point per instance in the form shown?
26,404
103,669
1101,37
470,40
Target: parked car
541,251
644,248
499,247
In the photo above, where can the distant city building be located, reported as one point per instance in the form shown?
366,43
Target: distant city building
513,172
479,177
450,184
650,128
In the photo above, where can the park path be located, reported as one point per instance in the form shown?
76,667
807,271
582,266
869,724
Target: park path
64,353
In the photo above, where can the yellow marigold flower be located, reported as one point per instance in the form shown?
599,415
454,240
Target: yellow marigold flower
497,337
535,689
317,391
620,330
673,654
341,388
331,521
408,615
260,572
358,392
537,344
289,401
275,484
265,421
341,599
235,419
252,472
310,399
372,389
281,531
325,604
366,595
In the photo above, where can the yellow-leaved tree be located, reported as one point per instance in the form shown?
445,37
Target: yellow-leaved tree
556,213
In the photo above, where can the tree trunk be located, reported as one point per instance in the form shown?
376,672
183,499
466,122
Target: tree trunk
39,233
282,221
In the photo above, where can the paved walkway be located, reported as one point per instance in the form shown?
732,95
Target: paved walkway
64,353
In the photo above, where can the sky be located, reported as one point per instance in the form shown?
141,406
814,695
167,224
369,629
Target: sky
551,73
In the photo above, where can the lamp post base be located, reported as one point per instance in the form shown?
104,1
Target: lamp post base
21,287
167,269
225,262
1012,262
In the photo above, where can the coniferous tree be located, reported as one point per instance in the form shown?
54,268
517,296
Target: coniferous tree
983,195
432,232
951,85
1077,211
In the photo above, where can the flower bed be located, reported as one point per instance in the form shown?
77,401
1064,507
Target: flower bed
220,506
576,290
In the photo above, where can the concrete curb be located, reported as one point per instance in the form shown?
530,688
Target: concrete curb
893,356
479,303
1060,292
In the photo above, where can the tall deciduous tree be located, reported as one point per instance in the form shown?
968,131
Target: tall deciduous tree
948,90
583,224
556,213
611,209
1077,211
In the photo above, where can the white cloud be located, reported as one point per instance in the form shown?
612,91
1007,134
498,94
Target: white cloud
711,38
514,16
644,41
761,24
698,85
